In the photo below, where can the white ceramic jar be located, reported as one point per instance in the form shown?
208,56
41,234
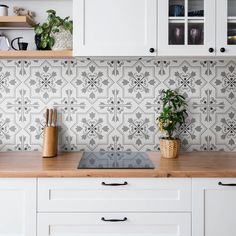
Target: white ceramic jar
3,10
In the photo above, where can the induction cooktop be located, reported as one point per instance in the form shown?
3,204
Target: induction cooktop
115,160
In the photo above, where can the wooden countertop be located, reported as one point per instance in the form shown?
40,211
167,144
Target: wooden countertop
198,164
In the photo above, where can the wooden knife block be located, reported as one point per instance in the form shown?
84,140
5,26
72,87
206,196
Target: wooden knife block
50,141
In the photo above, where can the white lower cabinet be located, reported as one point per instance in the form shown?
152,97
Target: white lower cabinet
118,207
114,224
17,207
214,207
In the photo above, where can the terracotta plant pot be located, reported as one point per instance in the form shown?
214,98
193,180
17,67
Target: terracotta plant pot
169,148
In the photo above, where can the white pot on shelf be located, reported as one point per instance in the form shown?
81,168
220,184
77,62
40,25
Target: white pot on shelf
3,10
63,40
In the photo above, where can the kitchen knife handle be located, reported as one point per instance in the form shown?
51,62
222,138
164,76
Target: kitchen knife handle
114,220
115,184
220,183
47,116
55,117
50,117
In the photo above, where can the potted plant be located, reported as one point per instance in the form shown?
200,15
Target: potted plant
55,33
172,116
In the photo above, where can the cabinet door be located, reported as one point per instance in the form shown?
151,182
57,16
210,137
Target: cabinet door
114,27
214,207
186,27
17,207
123,224
226,27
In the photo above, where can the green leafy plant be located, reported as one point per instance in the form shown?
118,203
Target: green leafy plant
173,114
52,25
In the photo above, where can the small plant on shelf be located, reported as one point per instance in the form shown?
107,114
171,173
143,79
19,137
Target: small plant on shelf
47,32
172,116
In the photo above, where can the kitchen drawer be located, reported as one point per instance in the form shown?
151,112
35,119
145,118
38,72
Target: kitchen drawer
91,224
98,195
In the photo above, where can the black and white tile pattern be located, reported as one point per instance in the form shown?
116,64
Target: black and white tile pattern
112,105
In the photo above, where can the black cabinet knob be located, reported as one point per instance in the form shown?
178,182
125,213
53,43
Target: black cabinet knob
211,50
151,50
222,50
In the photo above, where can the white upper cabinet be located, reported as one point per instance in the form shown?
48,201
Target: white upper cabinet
115,27
226,27
186,27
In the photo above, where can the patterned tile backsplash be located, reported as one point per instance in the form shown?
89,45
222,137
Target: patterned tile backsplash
112,105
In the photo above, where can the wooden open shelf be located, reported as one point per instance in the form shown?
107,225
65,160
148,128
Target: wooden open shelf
36,54
16,21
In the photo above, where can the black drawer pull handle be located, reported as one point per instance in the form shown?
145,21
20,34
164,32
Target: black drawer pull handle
220,183
114,184
114,220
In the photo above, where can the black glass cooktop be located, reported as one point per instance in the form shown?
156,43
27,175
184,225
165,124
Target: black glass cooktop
115,160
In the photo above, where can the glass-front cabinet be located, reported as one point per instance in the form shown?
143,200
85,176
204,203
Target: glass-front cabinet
226,27
186,27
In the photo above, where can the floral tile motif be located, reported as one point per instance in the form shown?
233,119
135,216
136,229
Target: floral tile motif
22,105
162,67
115,145
8,129
138,129
208,67
225,129
68,145
92,129
69,67
116,66
138,82
115,105
208,105
209,145
191,132
154,105
8,82
46,82
22,144
22,67
225,82
69,105
112,105
186,79
92,82
35,129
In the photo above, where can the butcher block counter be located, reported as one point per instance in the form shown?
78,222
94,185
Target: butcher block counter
197,164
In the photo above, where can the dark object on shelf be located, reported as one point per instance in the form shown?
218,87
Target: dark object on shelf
176,35
22,46
195,36
176,10
231,35
196,13
37,40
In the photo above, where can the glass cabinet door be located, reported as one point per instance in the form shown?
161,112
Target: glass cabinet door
226,27
188,23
